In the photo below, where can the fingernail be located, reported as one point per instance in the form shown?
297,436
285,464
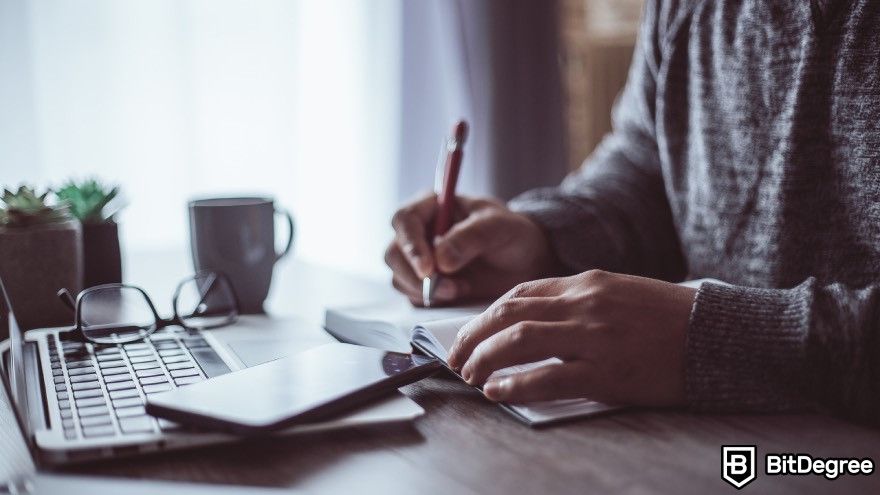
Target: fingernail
445,289
466,374
493,389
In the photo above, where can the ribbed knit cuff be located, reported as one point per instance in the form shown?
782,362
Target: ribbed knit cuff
576,233
746,348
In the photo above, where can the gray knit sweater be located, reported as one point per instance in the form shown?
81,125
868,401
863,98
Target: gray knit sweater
746,147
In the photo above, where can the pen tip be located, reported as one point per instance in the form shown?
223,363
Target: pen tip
460,131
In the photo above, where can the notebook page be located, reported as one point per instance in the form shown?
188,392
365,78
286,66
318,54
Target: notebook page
439,335
387,325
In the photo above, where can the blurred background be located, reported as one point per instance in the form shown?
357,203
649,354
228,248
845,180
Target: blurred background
337,108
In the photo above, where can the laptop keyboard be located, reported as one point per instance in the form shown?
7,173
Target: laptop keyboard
101,389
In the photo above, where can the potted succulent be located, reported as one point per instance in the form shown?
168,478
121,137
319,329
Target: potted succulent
95,205
40,252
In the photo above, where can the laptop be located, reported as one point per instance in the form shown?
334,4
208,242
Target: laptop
19,474
77,402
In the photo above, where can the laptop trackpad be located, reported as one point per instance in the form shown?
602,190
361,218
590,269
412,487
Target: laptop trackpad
254,352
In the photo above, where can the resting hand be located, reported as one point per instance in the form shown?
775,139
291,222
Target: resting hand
620,339
486,252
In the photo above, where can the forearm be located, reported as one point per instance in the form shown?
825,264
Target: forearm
769,350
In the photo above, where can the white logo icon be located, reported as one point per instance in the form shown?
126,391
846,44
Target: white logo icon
738,464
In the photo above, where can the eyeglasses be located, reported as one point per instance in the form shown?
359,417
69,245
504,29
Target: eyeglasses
119,313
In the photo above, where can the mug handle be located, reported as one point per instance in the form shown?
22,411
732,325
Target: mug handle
291,230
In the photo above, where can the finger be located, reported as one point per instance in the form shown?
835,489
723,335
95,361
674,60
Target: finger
569,380
468,239
500,315
410,223
405,278
521,343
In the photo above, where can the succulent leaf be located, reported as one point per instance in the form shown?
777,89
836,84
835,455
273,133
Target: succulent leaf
88,198
24,207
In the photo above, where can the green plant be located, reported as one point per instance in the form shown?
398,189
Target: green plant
88,200
25,207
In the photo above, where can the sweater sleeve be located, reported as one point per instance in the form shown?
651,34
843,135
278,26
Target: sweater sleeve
613,212
768,350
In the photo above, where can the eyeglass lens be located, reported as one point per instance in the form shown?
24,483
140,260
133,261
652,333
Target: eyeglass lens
205,301
116,314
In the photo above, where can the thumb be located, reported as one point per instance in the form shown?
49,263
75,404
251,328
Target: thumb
468,239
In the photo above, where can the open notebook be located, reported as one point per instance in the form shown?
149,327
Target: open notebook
397,326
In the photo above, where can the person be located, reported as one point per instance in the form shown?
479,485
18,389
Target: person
746,149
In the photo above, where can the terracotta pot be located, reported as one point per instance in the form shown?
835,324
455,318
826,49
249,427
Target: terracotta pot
35,262
102,262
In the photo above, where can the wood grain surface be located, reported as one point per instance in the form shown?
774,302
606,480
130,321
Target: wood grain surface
464,444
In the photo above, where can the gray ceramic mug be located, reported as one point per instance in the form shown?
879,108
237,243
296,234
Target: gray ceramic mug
236,236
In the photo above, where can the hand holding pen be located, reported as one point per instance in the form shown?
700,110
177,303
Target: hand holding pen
482,255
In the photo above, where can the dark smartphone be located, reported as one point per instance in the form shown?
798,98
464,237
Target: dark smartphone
310,386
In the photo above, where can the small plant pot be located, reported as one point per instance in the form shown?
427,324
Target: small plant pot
35,262
102,261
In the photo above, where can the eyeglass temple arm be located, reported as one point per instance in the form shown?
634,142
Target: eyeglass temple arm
66,298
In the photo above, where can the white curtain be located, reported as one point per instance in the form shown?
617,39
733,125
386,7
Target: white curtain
337,108
178,99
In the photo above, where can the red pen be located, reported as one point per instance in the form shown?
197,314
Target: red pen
445,190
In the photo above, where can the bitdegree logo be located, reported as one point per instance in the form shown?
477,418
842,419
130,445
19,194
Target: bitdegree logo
738,466
804,464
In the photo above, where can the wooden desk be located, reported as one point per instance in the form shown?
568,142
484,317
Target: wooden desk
466,445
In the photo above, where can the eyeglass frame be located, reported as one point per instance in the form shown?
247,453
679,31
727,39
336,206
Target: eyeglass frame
159,323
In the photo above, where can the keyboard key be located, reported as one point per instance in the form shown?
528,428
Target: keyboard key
181,365
99,431
81,371
115,371
60,387
103,358
84,378
131,401
91,401
142,359
127,412
96,420
195,342
163,345
92,411
145,366
63,396
184,372
69,434
111,364
117,378
139,424
171,352
160,387
67,424
66,414
187,380
78,364
85,386
210,362
85,394
152,372
107,351
59,379
124,394
153,379
136,346
145,352
64,404
175,359
120,385
56,366
57,372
